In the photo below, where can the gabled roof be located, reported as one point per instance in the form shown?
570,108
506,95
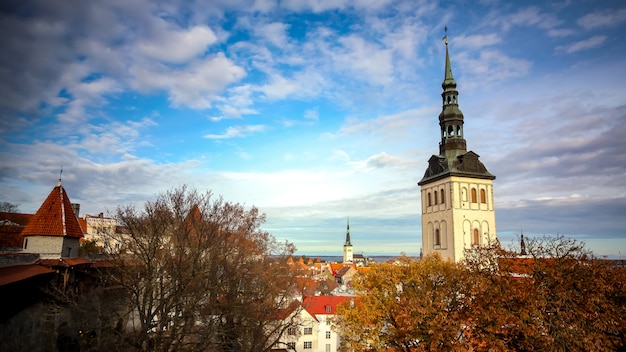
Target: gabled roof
55,217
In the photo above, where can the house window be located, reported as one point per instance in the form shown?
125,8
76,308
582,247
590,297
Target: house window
69,251
291,345
291,331
429,200
308,345
327,347
437,238
327,309
25,243
327,334
308,331
474,195
475,238
443,199
483,197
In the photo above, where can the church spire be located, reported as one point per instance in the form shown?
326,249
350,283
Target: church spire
451,118
348,234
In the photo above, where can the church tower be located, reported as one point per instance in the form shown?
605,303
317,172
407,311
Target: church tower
457,190
348,255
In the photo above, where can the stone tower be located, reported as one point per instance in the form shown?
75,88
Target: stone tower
348,255
457,190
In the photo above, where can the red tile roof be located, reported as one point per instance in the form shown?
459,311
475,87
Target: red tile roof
316,305
55,217
11,226
20,272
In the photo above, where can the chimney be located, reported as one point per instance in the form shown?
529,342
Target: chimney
76,209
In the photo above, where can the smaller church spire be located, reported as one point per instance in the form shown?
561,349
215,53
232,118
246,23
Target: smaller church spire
348,234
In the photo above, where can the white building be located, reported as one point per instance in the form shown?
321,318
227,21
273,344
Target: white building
315,333
457,190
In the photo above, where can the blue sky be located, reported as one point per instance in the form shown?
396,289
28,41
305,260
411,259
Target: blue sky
319,110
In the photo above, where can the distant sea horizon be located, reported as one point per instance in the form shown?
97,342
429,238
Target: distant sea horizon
339,258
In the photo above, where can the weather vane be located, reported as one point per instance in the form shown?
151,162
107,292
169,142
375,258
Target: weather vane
445,37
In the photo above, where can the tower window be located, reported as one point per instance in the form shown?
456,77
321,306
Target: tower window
435,194
437,238
475,238
443,199
429,200
483,197
474,195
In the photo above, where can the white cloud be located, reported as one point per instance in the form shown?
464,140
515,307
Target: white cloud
366,60
491,66
603,18
589,43
275,33
238,132
383,160
312,114
195,86
477,41
530,16
175,45
561,32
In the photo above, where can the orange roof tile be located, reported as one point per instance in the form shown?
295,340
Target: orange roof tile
20,272
317,305
55,217
11,226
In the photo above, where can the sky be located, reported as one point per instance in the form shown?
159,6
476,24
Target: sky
319,111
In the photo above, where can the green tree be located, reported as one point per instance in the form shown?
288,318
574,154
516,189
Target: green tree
200,273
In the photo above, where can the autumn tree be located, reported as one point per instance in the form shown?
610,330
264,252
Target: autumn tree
409,306
559,297
201,274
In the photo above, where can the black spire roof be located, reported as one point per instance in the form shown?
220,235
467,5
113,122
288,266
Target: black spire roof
453,158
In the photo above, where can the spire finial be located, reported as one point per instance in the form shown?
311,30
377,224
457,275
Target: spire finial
445,37
61,173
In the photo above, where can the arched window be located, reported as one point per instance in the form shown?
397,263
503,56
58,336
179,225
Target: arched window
443,199
429,200
435,196
437,238
475,238
474,195
483,197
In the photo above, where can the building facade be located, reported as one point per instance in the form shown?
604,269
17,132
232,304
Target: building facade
456,190
53,232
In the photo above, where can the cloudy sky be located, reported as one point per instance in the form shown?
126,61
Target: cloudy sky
319,110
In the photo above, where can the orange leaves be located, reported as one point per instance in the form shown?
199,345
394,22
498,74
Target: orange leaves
557,298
